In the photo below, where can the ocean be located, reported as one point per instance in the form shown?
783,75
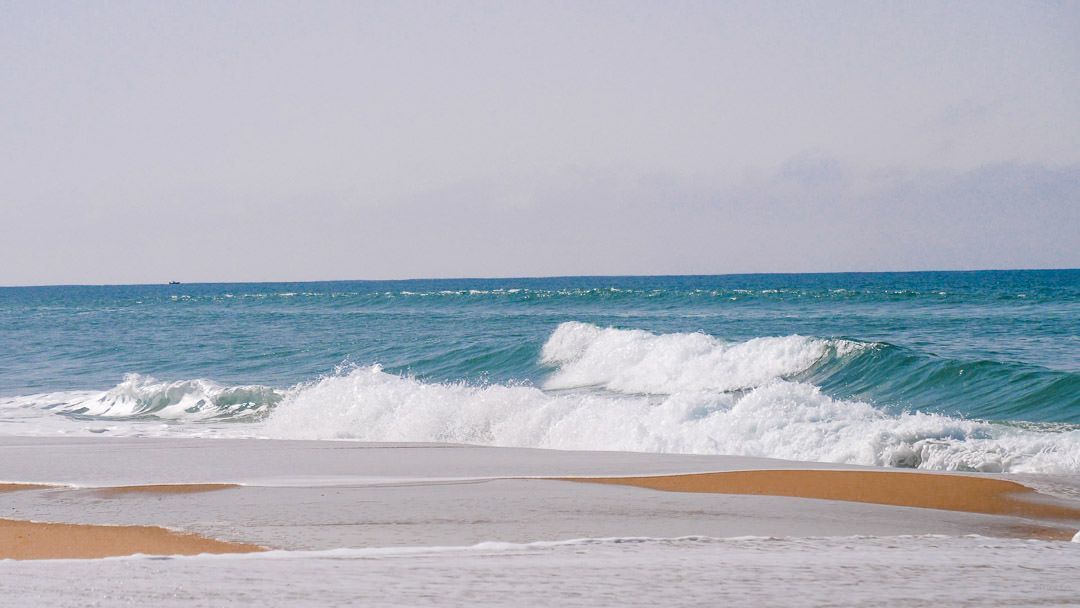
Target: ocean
969,371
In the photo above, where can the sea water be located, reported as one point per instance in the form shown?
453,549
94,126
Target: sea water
971,371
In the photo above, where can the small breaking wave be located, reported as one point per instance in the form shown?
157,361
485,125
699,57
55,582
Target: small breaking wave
143,397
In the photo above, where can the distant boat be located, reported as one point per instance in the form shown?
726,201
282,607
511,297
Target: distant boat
174,282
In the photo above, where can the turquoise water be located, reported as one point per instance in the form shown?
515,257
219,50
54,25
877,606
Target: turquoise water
1000,347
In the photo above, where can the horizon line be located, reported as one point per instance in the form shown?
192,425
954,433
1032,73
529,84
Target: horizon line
539,277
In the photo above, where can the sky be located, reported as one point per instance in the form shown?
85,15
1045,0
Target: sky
142,142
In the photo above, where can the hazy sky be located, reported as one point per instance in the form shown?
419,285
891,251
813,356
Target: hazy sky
205,141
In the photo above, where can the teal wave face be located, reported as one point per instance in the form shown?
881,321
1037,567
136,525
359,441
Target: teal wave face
906,380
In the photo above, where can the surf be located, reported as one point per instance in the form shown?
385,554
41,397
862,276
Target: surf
608,388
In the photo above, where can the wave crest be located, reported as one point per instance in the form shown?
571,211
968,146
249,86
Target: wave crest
636,361
139,396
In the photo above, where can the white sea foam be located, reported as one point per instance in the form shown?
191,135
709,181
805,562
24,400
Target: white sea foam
635,361
780,419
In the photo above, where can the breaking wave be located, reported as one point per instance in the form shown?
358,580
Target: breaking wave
615,389
636,361
780,419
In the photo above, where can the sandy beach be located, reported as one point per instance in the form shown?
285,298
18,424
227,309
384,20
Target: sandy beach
176,522
102,497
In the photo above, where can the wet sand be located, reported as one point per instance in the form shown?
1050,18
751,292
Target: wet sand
166,488
44,540
922,490
15,487
38,540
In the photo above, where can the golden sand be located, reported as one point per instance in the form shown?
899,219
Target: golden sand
925,490
34,540
164,488
15,487
179,488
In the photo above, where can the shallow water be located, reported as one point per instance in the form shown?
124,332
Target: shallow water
853,571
